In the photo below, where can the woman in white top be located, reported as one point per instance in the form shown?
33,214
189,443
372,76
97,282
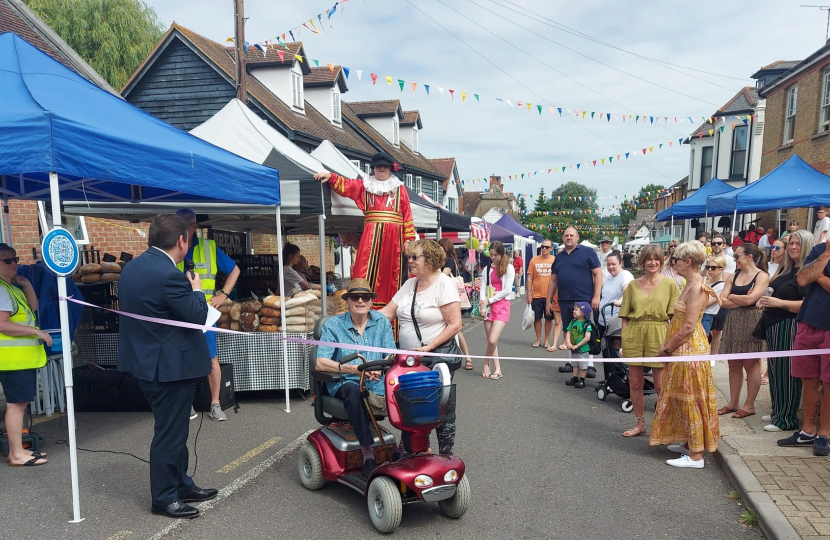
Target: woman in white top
714,278
292,279
776,256
613,287
498,275
436,310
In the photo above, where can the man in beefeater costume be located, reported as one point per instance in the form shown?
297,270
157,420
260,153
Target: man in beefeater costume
388,225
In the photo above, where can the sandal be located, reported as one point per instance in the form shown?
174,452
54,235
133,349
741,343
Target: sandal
469,365
551,348
535,345
637,430
496,376
34,462
725,410
740,413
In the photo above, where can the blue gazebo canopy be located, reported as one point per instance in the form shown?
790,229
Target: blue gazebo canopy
102,148
793,184
694,206
510,224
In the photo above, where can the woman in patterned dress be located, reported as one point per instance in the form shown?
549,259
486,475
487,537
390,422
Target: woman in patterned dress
388,225
687,407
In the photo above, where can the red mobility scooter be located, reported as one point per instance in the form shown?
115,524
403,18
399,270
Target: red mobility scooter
333,454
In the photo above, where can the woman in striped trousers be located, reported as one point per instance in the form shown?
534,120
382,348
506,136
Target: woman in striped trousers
780,310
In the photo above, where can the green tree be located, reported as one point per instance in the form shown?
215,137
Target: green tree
522,205
113,36
571,204
644,199
542,204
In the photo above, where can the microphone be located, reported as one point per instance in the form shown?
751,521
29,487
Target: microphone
189,266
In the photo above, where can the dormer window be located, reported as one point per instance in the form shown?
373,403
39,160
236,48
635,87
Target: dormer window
297,90
335,105
396,132
415,140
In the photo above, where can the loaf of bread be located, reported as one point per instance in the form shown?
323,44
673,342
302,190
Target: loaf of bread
269,328
224,309
273,301
109,276
269,312
90,268
251,306
110,267
249,321
297,319
236,326
298,311
298,328
224,319
235,311
269,321
90,278
228,302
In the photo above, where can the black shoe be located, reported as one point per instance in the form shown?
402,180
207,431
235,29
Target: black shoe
567,368
368,466
798,438
580,383
176,510
821,446
592,372
199,495
572,381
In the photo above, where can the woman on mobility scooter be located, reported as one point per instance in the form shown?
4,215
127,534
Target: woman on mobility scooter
416,407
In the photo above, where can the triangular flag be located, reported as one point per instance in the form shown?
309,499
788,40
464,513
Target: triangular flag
374,77
346,72
528,106
592,114
331,67
636,119
595,163
721,128
651,118
611,159
661,146
316,62
426,86
229,40
452,93
440,90
583,114
540,109
578,165
476,95
603,161
292,35
711,131
560,110
463,96
401,83
670,143
359,75
388,80
282,55
618,156
644,151
414,85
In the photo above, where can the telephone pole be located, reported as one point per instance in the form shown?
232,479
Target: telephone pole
239,42
827,9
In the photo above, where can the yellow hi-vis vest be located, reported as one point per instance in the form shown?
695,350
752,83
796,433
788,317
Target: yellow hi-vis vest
204,260
26,352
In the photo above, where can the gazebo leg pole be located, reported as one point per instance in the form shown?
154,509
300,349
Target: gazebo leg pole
780,228
66,339
734,223
321,225
285,294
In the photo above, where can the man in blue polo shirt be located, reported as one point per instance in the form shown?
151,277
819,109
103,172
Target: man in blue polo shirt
576,273
814,370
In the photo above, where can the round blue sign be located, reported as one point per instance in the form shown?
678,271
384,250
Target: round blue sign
60,251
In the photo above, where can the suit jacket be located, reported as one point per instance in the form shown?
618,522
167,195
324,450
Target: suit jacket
151,285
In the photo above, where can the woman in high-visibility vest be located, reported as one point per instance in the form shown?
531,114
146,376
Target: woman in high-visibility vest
21,354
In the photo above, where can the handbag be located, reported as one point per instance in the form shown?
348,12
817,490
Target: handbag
760,330
448,347
462,292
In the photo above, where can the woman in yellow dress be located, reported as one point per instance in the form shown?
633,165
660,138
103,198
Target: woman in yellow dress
687,410
647,303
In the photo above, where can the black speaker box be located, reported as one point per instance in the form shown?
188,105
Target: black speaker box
107,390
227,397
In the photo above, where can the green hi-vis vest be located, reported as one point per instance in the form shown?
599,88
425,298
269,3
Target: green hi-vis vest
204,259
26,352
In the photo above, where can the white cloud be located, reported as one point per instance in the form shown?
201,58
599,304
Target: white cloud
389,37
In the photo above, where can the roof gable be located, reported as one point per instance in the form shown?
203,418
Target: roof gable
326,77
411,118
366,109
814,58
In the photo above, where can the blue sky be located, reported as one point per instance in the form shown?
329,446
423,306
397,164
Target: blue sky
391,37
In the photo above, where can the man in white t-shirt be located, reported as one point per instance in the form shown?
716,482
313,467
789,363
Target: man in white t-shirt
719,248
822,225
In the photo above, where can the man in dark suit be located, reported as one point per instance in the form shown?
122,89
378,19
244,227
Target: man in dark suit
165,359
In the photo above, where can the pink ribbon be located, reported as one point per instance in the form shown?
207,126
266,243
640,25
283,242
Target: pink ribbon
383,350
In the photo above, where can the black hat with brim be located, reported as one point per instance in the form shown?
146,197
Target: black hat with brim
382,158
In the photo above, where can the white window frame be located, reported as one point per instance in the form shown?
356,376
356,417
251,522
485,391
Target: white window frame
396,134
436,192
789,114
824,116
408,181
297,90
356,163
74,224
733,151
368,168
415,140
335,107
452,204
418,187
704,181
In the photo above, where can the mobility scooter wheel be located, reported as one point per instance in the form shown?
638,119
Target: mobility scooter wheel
627,406
310,467
601,395
385,504
456,506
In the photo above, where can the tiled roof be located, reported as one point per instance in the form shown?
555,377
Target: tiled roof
311,124
255,56
377,108
402,155
445,167
782,64
817,56
744,101
470,201
17,17
323,76
410,118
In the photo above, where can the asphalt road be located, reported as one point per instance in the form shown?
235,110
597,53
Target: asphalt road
544,461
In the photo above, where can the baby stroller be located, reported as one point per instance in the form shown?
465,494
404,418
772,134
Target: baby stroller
616,373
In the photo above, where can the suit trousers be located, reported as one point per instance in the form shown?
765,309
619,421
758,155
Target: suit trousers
170,402
359,417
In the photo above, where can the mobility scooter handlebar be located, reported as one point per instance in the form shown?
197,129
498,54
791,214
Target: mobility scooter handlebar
349,358
390,361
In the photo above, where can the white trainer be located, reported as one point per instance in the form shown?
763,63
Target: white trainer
685,462
216,413
766,418
679,448
772,427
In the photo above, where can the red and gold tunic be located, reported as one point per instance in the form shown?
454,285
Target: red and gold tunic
387,226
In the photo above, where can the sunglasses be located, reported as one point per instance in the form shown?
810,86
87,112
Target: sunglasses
606,242
413,257
365,297
11,260
777,248
713,268
717,243
546,247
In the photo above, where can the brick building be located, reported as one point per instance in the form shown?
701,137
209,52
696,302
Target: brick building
798,122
